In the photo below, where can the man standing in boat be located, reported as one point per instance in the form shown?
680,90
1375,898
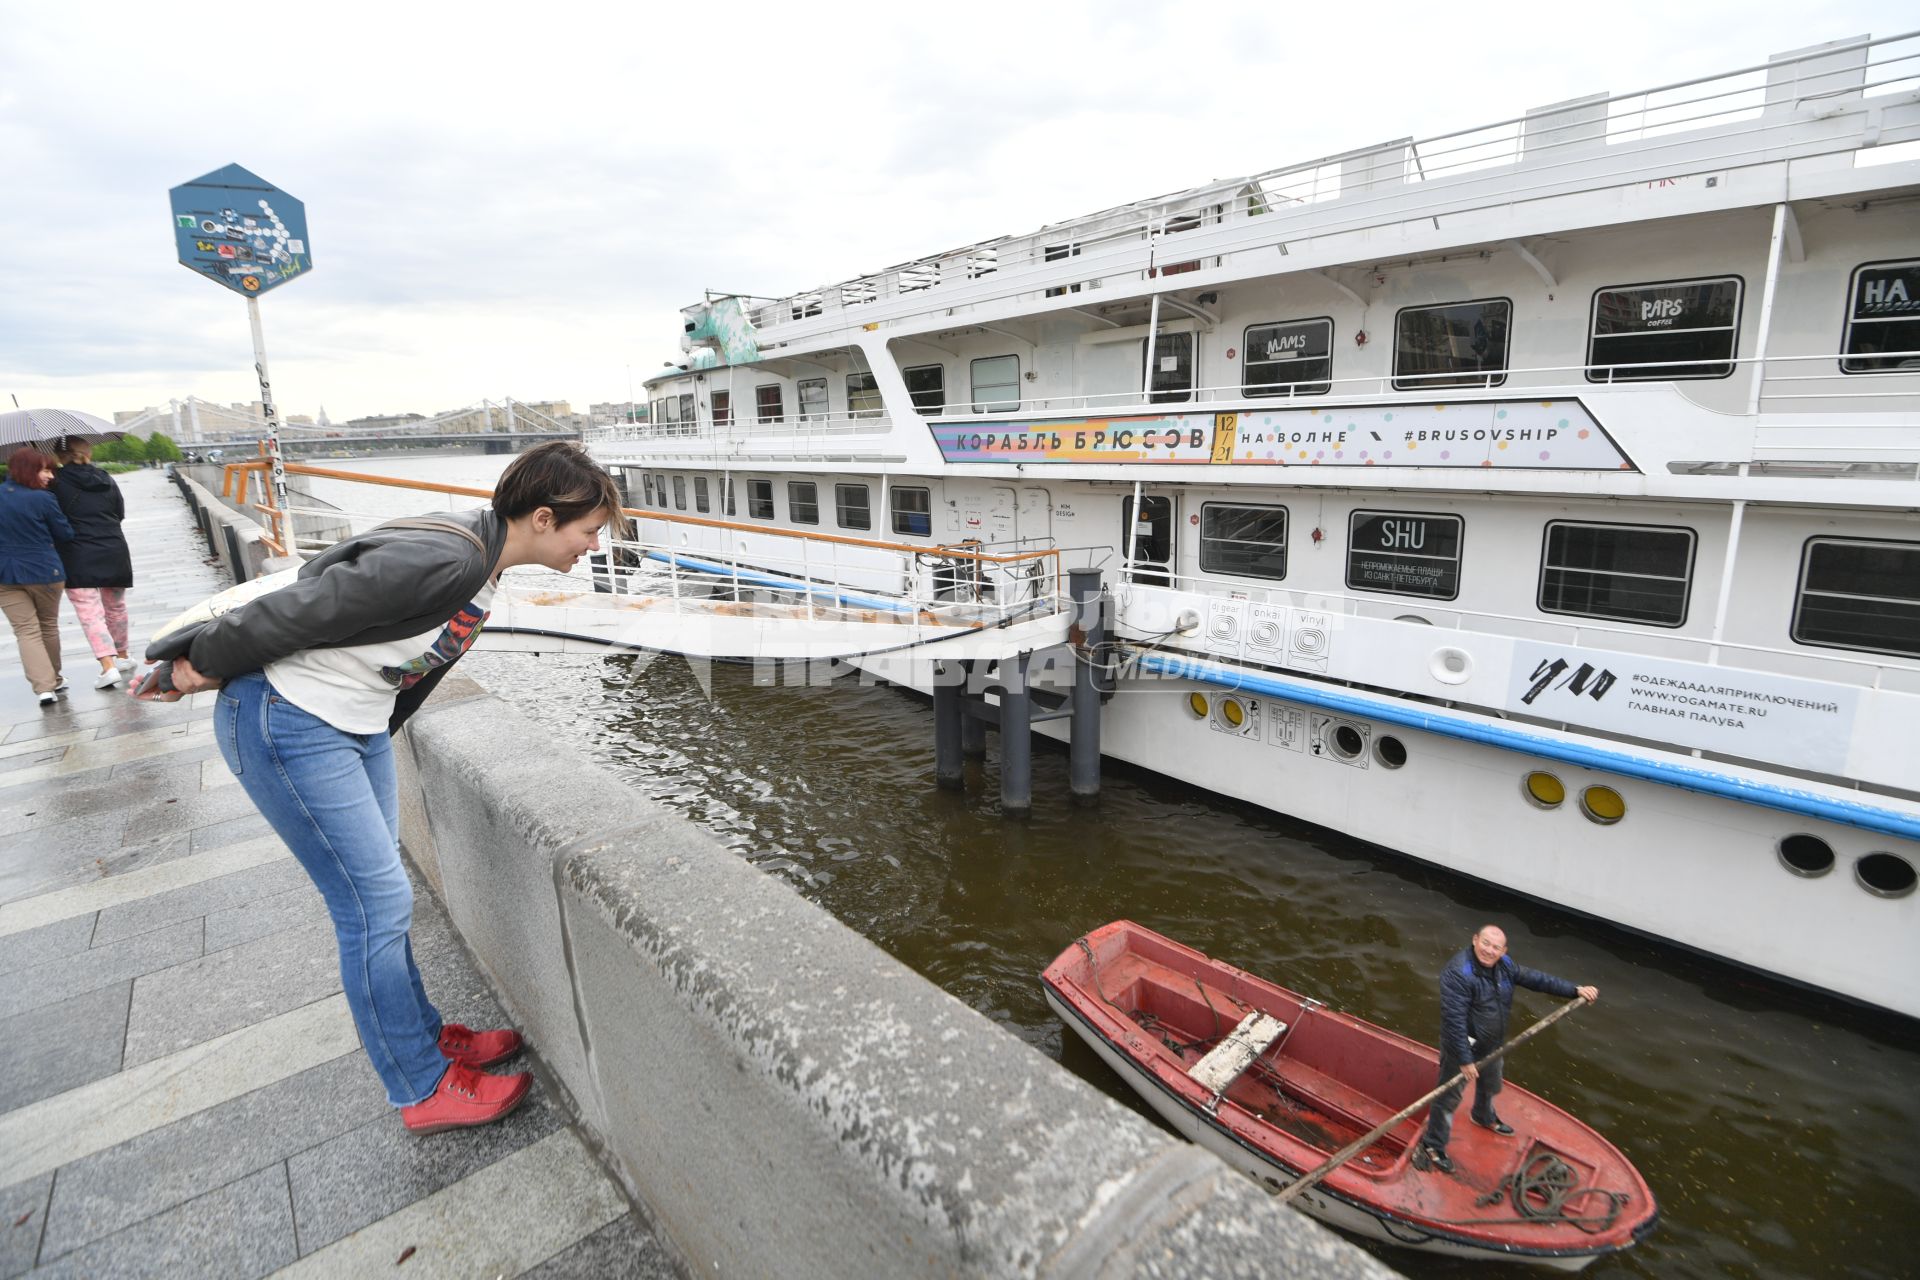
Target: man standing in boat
1476,998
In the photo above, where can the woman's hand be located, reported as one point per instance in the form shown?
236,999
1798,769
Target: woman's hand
186,681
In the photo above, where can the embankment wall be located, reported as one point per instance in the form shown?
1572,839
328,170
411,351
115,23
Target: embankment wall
784,1097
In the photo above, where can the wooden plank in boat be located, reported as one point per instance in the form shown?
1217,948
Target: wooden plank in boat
1233,1055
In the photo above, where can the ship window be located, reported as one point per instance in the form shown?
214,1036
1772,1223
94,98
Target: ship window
670,410
803,502
646,479
1653,331
1463,344
1406,553
912,511
1630,572
767,403
996,384
1883,315
680,493
1060,253
863,396
722,408
727,487
1290,359
686,413
1248,541
700,500
850,506
927,384
1858,594
760,499
813,399
1172,367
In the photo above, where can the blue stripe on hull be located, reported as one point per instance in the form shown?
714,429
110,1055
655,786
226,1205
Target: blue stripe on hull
1669,773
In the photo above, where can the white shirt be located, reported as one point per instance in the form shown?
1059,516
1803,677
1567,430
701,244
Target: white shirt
354,688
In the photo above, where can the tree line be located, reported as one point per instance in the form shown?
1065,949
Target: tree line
158,447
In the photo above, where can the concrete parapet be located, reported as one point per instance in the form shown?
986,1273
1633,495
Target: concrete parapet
232,536
783,1095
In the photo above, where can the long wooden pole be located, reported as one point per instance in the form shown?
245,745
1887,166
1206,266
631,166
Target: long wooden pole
1367,1139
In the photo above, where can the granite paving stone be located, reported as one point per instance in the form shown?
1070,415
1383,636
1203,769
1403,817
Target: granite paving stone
300,905
622,1250
201,998
187,810
192,901
248,826
187,760
62,1046
52,981
239,1231
113,1189
48,942
362,1176
79,793
79,850
20,1240
103,722
37,748
23,761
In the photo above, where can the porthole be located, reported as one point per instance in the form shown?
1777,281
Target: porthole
1391,752
1805,855
1197,704
1346,741
1603,805
1233,711
1884,875
1543,789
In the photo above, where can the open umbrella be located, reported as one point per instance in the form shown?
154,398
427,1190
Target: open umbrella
37,426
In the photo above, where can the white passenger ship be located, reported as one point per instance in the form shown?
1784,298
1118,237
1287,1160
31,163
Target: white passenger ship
1537,500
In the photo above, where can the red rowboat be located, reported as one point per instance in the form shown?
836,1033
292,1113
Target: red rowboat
1275,1083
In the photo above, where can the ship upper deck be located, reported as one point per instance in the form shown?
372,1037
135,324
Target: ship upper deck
1843,117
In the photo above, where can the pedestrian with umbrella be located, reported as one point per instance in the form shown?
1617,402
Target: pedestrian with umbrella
31,575
98,564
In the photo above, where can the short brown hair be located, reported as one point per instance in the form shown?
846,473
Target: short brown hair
562,476
25,466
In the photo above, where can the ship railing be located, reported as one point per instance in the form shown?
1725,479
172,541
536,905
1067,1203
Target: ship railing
1153,591
1901,383
673,558
1720,121
750,427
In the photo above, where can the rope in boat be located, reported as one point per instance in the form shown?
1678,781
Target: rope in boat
1542,1189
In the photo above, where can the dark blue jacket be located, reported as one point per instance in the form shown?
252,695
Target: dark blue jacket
30,523
1475,1001
98,555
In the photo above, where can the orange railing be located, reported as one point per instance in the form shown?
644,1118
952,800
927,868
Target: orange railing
237,476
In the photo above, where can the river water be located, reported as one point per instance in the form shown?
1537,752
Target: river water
1777,1128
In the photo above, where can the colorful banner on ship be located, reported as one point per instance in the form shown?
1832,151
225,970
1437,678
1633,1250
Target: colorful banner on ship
1527,434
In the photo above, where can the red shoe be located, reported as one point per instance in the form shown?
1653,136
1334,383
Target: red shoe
477,1048
465,1098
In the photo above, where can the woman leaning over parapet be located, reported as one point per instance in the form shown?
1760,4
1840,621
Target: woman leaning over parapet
313,679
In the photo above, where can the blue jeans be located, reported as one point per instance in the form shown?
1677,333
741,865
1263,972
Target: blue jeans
334,798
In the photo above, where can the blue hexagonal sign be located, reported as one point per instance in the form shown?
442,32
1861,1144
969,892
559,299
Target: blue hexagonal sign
239,230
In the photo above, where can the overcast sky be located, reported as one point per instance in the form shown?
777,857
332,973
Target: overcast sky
516,199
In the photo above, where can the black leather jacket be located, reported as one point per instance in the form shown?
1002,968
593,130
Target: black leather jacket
381,585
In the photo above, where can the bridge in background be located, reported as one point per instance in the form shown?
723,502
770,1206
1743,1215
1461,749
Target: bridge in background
203,427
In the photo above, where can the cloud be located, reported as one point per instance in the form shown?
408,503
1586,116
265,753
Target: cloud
513,200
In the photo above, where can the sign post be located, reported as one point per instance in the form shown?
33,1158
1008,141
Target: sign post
240,231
